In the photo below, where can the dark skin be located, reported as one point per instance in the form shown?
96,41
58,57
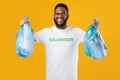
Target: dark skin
60,17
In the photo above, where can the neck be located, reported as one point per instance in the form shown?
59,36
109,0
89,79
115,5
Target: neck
62,27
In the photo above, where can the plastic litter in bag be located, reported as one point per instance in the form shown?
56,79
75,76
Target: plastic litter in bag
93,43
25,40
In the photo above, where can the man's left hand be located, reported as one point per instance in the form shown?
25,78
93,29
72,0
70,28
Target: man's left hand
96,22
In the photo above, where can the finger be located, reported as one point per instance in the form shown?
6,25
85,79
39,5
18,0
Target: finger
22,21
95,20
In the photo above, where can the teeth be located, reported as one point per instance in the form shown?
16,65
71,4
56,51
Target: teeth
59,19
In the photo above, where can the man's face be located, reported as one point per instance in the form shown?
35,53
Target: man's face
60,17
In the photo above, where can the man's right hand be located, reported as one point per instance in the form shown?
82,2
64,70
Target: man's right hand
23,21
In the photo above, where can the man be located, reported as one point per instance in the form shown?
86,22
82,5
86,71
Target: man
61,43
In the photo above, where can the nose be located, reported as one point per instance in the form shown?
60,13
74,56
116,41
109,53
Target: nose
59,15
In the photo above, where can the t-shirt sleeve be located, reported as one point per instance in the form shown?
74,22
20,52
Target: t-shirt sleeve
80,35
39,36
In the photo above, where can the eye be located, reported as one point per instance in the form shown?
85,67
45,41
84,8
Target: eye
57,13
62,14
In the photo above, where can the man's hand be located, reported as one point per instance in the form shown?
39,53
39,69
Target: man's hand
96,22
23,21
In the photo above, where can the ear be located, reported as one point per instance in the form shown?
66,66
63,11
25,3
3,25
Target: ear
68,15
53,14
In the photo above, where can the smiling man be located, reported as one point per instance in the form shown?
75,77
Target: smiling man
61,43
60,16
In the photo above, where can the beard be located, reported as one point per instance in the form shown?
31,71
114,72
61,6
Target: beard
61,26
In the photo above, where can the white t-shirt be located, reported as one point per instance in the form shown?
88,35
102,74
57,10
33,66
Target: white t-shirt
61,51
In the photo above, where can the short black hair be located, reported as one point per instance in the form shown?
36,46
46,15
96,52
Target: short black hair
61,5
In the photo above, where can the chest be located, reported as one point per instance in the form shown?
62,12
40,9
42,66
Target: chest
60,40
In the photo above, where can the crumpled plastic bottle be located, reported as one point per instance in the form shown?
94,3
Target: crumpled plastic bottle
94,45
25,40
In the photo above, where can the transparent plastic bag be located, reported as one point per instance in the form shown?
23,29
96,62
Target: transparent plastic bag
94,45
25,40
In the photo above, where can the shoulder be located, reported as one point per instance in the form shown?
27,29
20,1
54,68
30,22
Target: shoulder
44,30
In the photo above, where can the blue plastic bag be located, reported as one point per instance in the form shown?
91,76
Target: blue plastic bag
94,45
25,40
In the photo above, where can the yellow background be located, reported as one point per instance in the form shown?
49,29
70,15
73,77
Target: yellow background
40,12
